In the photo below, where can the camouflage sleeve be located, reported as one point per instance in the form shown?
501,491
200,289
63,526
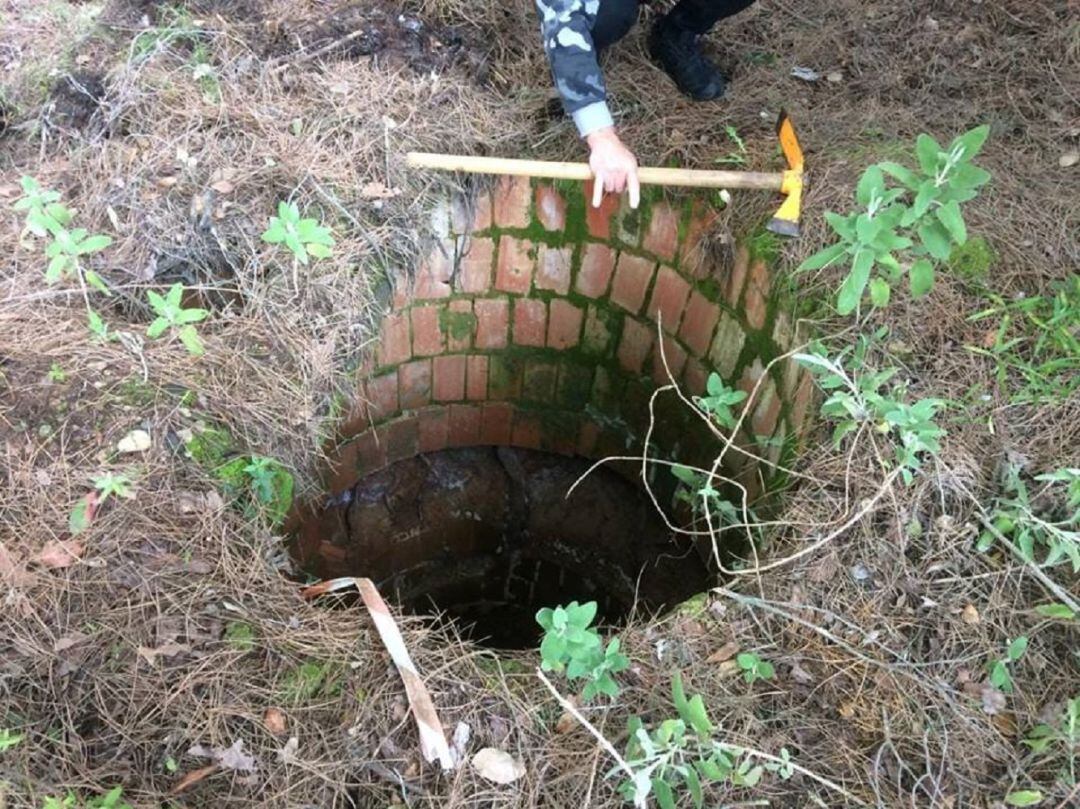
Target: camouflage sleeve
566,26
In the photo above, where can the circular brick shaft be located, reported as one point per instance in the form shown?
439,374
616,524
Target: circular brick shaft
538,322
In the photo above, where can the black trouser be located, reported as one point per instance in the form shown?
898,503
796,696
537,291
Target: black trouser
616,17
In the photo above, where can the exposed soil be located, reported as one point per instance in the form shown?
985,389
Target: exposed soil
75,98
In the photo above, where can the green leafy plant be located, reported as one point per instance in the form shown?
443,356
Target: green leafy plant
304,237
1044,522
171,314
1035,345
680,754
9,739
265,483
754,668
998,669
858,397
908,228
570,644
113,799
737,156
1060,737
105,486
719,400
57,373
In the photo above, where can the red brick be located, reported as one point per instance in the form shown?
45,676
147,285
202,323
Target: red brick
402,438
459,325
757,295
800,405
632,277
676,359
464,426
588,434
427,331
470,212
540,379
415,384
515,266
553,269
434,273
476,374
699,320
496,423
738,276
597,264
492,322
394,342
597,335
693,252
637,339
550,208
530,322
749,381
668,299
564,324
695,378
662,237
382,396
449,373
510,201
505,374
434,427
474,267
343,468
767,410
370,453
727,346
527,431
598,220
482,211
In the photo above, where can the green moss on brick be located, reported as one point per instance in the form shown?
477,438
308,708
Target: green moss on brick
764,245
458,325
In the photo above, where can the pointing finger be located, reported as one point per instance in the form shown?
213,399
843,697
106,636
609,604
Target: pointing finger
597,190
635,188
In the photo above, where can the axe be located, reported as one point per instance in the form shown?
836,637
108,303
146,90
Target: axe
789,183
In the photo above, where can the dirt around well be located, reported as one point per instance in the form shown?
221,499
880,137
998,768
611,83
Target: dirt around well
173,627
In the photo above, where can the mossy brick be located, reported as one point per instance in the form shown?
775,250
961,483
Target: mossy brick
668,299
767,410
514,268
540,381
553,266
448,373
476,377
550,208
629,222
695,377
598,219
414,384
402,438
511,200
475,265
382,396
662,235
633,274
530,322
395,342
505,376
634,345
600,325
594,274
435,271
492,323
693,250
699,321
737,277
607,391
727,346
496,423
575,385
433,429
527,431
564,324
458,323
427,336
756,301
370,453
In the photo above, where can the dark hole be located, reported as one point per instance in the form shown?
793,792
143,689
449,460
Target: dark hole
487,536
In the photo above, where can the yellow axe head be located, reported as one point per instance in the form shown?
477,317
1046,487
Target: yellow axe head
786,220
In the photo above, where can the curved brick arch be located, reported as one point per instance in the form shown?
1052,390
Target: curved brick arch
533,322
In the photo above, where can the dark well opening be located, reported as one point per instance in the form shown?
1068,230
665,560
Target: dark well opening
488,536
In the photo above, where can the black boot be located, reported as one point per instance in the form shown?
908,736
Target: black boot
678,50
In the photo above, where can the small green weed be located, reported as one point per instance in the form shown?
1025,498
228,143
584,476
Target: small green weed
754,668
998,669
571,645
1036,345
240,636
171,314
105,486
719,401
266,483
1060,737
113,799
737,156
57,373
310,680
858,397
304,237
9,739
906,229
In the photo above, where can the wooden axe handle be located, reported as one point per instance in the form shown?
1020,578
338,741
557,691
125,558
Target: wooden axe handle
690,178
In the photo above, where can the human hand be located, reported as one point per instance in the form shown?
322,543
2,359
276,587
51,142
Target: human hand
614,167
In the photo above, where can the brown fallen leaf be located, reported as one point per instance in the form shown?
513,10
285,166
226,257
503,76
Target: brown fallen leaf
970,615
566,723
993,701
497,766
167,182
165,650
725,652
58,553
66,642
11,572
377,190
274,721
192,778
223,186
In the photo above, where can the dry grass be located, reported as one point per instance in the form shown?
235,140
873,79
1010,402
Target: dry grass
870,690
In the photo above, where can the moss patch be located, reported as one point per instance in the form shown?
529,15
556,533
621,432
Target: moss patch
972,260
